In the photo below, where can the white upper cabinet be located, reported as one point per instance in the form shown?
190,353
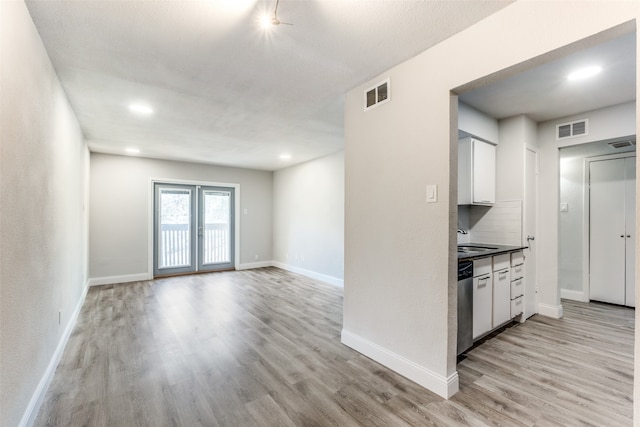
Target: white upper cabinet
476,172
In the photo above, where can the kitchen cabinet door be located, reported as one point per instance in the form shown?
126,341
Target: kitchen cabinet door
484,173
501,297
476,172
482,302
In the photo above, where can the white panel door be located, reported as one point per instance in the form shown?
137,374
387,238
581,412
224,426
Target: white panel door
530,230
630,227
607,233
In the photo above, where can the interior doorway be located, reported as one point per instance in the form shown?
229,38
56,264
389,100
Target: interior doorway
193,228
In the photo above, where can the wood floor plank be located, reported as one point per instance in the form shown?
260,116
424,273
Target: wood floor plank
262,348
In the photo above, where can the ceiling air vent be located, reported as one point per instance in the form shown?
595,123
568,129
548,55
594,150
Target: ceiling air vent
377,95
572,129
621,144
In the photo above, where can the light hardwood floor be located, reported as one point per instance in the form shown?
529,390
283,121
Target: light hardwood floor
262,348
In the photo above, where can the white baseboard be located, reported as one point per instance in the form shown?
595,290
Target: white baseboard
110,280
30,414
250,265
554,311
573,295
312,274
442,386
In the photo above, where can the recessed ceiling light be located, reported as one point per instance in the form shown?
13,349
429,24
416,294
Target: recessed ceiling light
584,73
285,156
132,150
141,109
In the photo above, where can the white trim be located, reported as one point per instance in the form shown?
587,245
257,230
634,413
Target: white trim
110,280
30,414
554,311
312,274
250,265
573,295
442,386
236,188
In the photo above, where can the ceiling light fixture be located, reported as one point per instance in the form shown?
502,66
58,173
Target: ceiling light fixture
132,150
268,22
584,73
285,156
141,109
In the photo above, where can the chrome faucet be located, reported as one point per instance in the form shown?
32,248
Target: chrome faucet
461,231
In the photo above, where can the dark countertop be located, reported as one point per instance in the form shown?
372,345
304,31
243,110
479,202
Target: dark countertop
499,249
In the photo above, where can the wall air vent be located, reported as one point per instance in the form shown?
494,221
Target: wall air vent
621,144
572,129
377,95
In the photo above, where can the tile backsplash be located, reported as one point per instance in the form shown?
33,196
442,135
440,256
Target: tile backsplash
500,224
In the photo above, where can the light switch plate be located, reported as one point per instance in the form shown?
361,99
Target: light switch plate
564,207
432,193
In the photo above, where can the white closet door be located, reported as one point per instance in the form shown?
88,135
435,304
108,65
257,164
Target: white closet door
607,256
630,224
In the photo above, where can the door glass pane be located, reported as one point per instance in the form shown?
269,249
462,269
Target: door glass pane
217,227
174,248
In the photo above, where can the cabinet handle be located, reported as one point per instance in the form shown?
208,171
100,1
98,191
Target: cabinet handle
502,273
483,282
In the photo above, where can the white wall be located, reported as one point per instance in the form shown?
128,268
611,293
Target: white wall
120,211
400,259
308,226
515,134
607,123
43,217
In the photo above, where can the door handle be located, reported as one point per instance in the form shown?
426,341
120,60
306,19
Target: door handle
530,238
200,231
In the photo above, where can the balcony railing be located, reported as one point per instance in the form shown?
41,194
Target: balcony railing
175,245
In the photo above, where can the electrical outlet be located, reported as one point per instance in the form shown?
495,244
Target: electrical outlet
256,257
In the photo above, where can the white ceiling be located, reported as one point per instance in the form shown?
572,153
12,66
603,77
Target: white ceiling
544,93
225,91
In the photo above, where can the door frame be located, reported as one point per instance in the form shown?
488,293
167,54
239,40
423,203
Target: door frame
586,217
150,215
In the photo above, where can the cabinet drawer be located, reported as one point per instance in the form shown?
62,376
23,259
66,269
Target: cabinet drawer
517,288
500,262
517,258
517,271
516,306
481,266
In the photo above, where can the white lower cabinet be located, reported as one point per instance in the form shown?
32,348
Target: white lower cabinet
501,290
482,297
498,291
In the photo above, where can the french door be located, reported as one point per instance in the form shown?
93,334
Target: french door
193,228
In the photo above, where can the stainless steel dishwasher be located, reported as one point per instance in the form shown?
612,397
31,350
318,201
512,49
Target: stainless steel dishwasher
465,306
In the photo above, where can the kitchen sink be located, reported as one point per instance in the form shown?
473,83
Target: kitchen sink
474,249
